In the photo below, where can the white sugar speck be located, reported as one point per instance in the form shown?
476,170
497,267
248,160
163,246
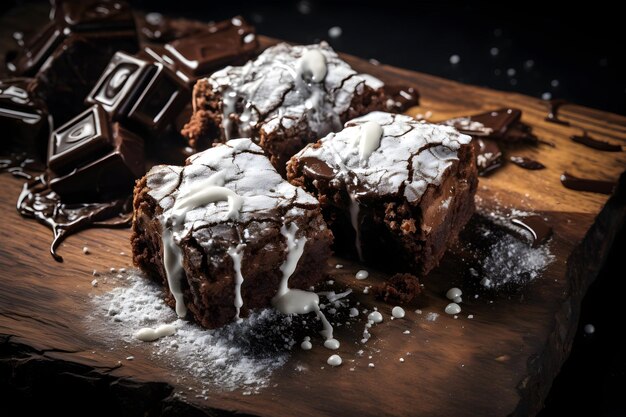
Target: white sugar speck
334,360
554,83
455,59
589,328
94,283
86,250
401,359
453,308
432,316
335,32
529,63
362,274
494,51
371,365
546,96
511,72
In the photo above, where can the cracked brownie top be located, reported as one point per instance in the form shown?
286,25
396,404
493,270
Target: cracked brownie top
240,166
384,154
288,86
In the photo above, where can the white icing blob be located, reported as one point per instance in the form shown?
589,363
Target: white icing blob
332,344
235,255
306,345
334,360
312,66
148,334
453,308
375,317
457,300
453,293
398,312
362,274
368,139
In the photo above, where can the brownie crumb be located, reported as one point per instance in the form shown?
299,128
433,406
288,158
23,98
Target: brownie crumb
400,289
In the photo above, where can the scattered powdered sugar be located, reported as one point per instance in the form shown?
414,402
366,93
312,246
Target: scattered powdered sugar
238,356
432,316
511,261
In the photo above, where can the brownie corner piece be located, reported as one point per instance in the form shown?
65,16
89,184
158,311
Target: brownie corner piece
289,96
395,191
229,216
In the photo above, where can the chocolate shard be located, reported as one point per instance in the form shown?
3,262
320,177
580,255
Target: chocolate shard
24,119
228,42
34,50
502,125
92,15
488,155
143,93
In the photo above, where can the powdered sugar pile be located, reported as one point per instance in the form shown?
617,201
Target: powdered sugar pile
512,261
238,356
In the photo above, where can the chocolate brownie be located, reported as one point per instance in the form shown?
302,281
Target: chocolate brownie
289,96
394,190
229,229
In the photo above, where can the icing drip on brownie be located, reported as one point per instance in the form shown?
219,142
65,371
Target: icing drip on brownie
368,139
199,194
295,301
286,87
410,155
235,255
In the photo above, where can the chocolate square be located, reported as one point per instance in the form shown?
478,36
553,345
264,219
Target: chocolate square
120,82
78,140
145,94
227,42
24,120
106,175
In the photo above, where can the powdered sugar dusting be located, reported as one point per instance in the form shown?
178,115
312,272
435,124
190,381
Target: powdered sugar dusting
238,356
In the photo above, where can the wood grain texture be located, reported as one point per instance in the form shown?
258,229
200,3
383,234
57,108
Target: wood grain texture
502,362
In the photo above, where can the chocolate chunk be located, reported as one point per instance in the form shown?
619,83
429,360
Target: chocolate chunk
93,15
584,184
145,94
526,163
488,155
400,289
93,160
215,46
24,119
503,125
35,50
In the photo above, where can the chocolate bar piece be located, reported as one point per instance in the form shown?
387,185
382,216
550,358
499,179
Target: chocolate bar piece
229,42
144,93
503,125
92,159
93,15
24,120
67,56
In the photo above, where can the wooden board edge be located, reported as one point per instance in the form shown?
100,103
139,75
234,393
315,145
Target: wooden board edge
583,267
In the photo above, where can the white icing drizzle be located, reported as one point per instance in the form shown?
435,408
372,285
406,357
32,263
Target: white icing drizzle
235,254
148,334
312,66
200,194
295,301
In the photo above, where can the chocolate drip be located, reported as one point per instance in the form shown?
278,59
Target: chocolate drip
18,163
488,156
537,226
600,145
400,98
553,112
526,163
39,202
583,184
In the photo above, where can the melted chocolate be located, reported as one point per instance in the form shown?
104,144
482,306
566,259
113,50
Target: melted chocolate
39,202
583,184
488,156
526,163
536,226
400,98
600,145
553,112
18,163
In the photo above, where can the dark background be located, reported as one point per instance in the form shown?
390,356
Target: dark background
570,52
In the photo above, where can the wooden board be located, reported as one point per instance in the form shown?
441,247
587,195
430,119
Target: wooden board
501,362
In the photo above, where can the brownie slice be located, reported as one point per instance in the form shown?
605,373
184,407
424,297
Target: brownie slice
222,242
288,97
394,191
